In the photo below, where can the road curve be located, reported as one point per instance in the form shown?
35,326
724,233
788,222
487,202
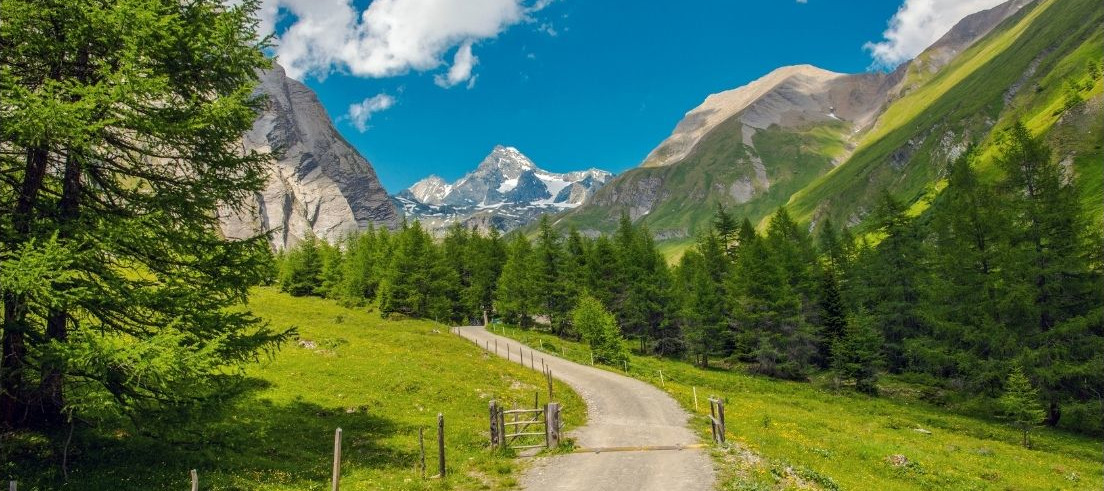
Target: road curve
621,412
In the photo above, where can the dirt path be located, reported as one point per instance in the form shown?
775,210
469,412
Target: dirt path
621,412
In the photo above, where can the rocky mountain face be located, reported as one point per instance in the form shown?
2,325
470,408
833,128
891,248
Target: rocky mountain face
506,191
763,145
318,185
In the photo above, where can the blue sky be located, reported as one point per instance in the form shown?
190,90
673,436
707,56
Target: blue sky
571,83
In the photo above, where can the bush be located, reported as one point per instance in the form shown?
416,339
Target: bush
599,330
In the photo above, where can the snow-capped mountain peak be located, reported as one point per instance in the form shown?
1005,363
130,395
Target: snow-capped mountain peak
431,190
508,161
506,190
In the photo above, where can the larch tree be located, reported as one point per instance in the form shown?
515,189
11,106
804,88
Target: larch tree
120,133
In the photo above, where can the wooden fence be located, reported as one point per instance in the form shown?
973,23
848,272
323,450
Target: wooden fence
525,428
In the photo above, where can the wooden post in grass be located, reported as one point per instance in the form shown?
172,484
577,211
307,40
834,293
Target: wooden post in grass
496,346
421,450
540,343
720,409
195,480
661,384
552,424
695,398
548,375
532,362
337,461
441,444
494,423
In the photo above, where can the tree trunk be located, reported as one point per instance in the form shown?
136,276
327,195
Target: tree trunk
14,352
50,397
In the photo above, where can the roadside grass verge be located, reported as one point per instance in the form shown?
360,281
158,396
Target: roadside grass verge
379,380
787,434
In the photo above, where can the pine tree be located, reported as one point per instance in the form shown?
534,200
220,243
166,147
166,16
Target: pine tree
699,287
892,279
417,279
1055,285
516,294
487,255
330,276
602,271
726,228
857,355
361,268
549,279
1021,403
768,327
301,273
832,315
121,126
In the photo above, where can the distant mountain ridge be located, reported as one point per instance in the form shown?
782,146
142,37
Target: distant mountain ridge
505,191
826,145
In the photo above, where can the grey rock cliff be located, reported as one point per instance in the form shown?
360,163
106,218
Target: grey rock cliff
318,183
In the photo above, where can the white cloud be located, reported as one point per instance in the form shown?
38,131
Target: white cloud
461,69
360,113
390,37
918,24
802,1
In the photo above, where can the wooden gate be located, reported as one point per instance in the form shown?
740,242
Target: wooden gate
525,428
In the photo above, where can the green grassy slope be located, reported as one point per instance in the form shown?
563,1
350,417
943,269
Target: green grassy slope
378,380
1034,51
691,189
789,434
1023,69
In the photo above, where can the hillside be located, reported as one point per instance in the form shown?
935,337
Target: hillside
826,144
348,369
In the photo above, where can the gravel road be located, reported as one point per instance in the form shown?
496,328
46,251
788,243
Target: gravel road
621,412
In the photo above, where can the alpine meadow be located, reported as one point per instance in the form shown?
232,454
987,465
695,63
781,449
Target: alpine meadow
889,276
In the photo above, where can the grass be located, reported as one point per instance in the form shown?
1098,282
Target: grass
379,380
1039,49
789,434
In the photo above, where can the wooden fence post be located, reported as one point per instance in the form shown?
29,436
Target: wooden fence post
661,384
441,444
548,375
494,423
552,424
713,419
337,461
195,480
421,451
496,346
501,418
720,409
695,398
